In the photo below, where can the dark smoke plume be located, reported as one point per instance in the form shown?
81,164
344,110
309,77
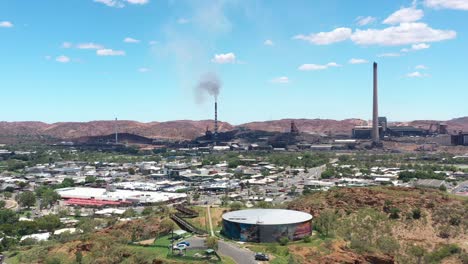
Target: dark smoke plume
209,84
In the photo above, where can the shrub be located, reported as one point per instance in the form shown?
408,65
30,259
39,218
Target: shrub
444,231
212,242
443,188
283,241
416,213
235,206
394,213
307,239
325,223
388,244
455,220
445,251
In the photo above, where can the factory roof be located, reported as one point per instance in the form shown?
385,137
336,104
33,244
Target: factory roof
104,197
267,216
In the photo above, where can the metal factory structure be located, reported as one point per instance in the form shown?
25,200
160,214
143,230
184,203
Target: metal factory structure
379,128
266,225
375,111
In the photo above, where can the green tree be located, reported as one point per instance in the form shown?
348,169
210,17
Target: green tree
263,204
90,179
87,225
129,213
49,197
167,225
212,242
326,222
48,222
327,174
26,227
293,189
27,199
418,252
147,210
67,182
235,206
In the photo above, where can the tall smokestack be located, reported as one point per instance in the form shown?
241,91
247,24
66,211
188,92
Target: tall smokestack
216,119
116,133
375,110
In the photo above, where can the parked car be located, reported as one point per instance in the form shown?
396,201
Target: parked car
261,256
180,246
184,243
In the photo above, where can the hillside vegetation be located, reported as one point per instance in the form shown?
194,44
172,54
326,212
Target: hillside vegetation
386,225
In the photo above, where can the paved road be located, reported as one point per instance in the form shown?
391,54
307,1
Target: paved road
196,242
240,255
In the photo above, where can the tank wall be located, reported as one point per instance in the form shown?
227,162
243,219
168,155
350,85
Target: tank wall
266,233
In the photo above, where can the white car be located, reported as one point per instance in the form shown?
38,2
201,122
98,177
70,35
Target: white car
180,247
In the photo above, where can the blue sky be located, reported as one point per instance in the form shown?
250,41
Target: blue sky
82,60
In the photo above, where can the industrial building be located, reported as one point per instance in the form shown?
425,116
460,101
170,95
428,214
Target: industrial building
460,139
266,225
97,197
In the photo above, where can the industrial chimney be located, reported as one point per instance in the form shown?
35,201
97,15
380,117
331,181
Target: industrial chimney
375,111
116,132
216,120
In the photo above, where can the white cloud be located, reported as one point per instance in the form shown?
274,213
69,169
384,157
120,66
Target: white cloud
421,67
67,45
416,47
316,67
420,46
268,42
447,4
143,69
416,74
6,24
111,3
89,45
389,55
63,59
182,20
110,52
282,79
357,61
138,2
153,42
405,33
362,21
404,15
325,38
224,58
47,57
131,40
121,3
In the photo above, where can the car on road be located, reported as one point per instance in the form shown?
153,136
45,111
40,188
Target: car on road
187,244
261,256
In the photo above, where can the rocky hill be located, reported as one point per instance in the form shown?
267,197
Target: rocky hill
387,225
189,129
